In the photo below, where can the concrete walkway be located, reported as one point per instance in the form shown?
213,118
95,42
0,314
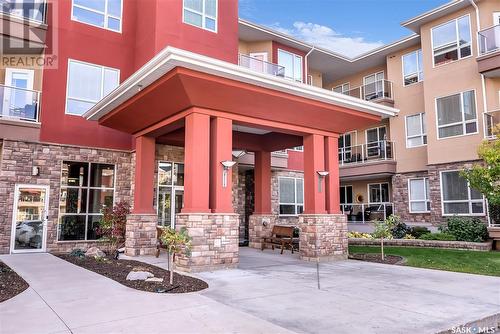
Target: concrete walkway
269,293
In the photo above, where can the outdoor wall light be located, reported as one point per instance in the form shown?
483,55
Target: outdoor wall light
322,174
226,164
35,171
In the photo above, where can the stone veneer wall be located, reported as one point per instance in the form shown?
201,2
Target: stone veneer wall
140,236
260,226
323,237
16,164
401,198
214,241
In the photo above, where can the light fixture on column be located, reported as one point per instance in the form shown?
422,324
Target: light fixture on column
238,153
226,164
322,174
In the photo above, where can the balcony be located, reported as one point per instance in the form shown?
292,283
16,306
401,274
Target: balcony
261,66
492,123
367,160
19,104
366,212
488,60
378,91
23,26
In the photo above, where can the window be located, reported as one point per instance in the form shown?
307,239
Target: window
373,86
378,192
413,70
87,84
375,146
415,130
86,188
291,195
457,197
418,191
106,14
345,146
292,64
28,9
456,114
201,13
343,89
451,41
346,195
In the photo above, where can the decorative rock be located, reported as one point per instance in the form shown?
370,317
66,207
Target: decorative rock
139,275
154,279
94,252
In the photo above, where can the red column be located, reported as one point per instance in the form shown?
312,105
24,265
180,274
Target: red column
314,161
221,149
144,175
332,186
196,163
262,181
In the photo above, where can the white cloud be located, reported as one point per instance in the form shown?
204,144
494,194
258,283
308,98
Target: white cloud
328,38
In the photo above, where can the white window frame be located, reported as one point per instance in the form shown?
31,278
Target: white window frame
173,189
380,187
203,16
469,200
420,71
496,18
88,188
294,55
457,41
422,134
105,13
427,201
101,67
342,86
295,197
463,122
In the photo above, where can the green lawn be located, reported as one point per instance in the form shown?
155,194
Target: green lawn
483,263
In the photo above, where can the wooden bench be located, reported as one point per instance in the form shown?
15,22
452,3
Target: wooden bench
280,236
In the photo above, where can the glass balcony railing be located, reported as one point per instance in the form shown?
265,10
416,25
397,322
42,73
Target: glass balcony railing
364,153
33,10
366,212
19,103
381,89
261,66
489,40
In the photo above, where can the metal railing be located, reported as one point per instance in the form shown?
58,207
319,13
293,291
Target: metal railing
33,10
374,151
261,66
19,103
366,212
491,122
489,40
381,89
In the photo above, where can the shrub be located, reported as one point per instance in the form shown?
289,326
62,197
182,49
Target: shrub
112,225
466,229
409,236
77,252
400,230
418,231
354,234
438,236
177,243
383,230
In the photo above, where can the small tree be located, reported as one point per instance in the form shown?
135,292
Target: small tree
177,243
383,229
485,178
112,225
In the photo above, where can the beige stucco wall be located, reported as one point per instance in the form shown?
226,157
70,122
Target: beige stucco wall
410,101
443,80
361,188
317,77
486,9
246,48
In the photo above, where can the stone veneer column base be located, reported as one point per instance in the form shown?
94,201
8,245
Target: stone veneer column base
140,234
323,237
215,241
260,226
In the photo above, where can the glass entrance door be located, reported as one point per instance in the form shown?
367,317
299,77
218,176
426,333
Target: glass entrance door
169,205
29,218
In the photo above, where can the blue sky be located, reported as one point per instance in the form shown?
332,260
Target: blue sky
349,27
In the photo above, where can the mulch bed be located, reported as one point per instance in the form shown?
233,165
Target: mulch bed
11,284
118,270
389,259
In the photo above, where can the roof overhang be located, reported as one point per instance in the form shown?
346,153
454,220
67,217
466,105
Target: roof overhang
416,22
175,80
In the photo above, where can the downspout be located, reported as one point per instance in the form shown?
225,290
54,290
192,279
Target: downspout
483,81
306,63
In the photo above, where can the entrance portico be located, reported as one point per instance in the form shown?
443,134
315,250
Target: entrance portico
211,108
